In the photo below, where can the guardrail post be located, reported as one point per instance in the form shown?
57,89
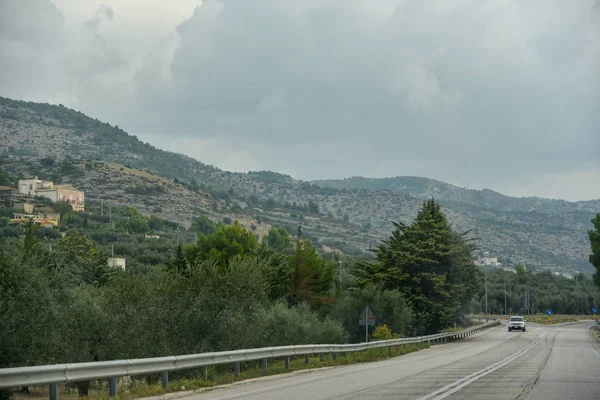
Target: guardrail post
205,372
112,386
53,391
287,363
334,355
322,356
264,362
236,368
164,379
307,359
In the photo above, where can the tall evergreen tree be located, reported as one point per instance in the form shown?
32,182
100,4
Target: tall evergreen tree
595,243
312,277
179,263
33,251
430,264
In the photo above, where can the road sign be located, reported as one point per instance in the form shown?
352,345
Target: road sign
371,318
367,318
548,312
594,310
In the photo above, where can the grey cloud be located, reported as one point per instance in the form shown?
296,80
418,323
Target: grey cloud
31,22
488,94
104,13
100,57
31,32
464,91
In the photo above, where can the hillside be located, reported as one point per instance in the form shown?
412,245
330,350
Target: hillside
486,199
347,215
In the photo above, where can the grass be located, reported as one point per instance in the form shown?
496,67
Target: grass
544,320
217,376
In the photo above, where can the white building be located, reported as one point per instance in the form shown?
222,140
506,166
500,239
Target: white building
47,189
489,261
116,263
31,186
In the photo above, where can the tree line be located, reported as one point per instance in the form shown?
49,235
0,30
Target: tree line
228,289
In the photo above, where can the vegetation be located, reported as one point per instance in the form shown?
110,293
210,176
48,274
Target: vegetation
180,296
595,242
562,295
345,214
430,265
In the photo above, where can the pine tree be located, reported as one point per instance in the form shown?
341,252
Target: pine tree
312,277
430,264
179,263
33,250
595,243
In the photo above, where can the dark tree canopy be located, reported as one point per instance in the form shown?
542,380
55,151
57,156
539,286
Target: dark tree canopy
430,264
595,243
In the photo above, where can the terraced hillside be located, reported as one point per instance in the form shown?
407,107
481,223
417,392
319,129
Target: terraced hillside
345,215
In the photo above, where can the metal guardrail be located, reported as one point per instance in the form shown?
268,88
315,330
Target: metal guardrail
111,370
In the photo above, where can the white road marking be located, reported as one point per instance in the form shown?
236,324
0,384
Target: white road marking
594,350
467,380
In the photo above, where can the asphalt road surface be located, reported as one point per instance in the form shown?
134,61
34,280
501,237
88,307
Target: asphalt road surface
544,363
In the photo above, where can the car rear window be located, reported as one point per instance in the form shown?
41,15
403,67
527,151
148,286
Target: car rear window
516,319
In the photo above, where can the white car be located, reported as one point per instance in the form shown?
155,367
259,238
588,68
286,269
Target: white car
516,323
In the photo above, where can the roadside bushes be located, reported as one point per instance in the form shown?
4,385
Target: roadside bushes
389,306
280,325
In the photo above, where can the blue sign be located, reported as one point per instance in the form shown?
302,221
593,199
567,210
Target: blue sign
594,310
548,312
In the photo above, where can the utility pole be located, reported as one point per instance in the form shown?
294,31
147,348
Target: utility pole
577,292
504,293
486,297
340,277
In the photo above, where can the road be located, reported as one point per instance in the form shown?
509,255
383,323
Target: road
544,363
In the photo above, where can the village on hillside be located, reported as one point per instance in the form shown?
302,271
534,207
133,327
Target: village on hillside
27,199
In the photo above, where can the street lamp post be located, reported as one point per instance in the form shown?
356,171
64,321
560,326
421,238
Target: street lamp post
577,295
340,275
504,293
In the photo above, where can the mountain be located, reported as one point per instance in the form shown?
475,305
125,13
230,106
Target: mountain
346,215
487,199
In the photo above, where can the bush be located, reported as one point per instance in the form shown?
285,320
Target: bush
382,332
389,306
281,325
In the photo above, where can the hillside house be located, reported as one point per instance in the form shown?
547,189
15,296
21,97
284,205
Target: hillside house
47,189
116,263
7,196
65,193
29,187
45,220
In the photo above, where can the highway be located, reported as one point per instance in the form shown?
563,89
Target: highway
543,363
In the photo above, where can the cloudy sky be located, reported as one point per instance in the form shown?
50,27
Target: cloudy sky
499,94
